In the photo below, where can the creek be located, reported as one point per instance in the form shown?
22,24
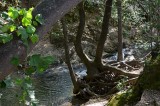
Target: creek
53,87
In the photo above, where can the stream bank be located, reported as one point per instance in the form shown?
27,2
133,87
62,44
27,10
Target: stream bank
53,87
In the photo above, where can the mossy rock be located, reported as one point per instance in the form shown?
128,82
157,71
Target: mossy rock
116,99
149,79
120,99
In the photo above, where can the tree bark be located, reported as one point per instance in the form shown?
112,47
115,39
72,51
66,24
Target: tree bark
80,31
120,36
51,12
104,33
91,67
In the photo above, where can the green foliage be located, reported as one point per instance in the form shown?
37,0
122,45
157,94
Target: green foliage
94,5
121,98
5,28
39,18
13,13
5,37
149,79
19,22
34,64
31,29
25,84
34,38
121,84
15,61
40,63
23,33
4,15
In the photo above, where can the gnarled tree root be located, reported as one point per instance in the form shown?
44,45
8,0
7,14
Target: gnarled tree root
120,71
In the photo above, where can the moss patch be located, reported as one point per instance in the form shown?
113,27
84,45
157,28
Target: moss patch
120,99
149,79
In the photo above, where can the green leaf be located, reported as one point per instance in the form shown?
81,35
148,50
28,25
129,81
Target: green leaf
40,63
31,29
22,11
33,104
26,21
29,13
39,18
34,59
25,42
48,59
35,23
15,61
29,71
28,80
44,63
5,28
23,96
4,38
13,12
18,81
22,31
24,35
4,15
34,38
12,28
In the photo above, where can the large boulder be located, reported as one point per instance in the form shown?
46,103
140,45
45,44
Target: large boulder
150,98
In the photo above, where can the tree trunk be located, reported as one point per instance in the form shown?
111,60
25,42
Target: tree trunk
67,57
91,69
104,33
80,31
120,36
51,12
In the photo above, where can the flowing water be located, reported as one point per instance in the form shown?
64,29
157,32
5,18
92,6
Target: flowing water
52,88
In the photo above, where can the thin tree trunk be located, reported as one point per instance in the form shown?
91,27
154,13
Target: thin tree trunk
120,36
91,68
104,33
80,31
67,57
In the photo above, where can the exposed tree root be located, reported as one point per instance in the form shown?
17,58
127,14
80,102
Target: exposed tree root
120,71
105,83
